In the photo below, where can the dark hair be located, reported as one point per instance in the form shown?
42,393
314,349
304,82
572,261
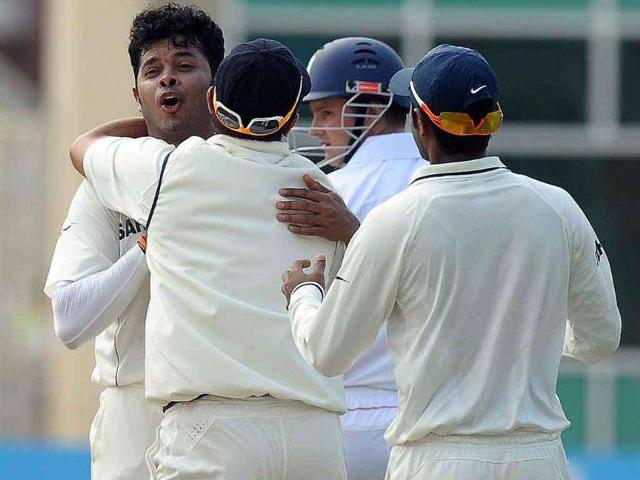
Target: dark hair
274,137
183,26
395,115
470,145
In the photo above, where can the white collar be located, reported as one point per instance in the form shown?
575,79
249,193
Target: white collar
389,146
240,147
468,167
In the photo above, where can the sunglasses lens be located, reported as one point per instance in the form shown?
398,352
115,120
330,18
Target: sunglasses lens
227,119
462,124
264,127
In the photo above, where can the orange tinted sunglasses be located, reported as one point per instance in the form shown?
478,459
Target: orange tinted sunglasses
257,127
458,123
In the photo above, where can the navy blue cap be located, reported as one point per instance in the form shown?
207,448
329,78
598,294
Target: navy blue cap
449,79
260,78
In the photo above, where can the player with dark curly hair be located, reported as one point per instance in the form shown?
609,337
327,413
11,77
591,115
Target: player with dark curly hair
187,42
99,280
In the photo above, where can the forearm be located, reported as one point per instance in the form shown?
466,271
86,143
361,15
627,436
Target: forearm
303,310
126,127
594,324
330,335
83,309
594,341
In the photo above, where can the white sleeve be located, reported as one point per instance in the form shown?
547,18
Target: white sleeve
88,242
125,171
83,309
593,324
332,333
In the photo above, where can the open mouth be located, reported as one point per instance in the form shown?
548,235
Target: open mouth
170,103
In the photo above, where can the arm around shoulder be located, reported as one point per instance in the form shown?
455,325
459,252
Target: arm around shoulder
129,127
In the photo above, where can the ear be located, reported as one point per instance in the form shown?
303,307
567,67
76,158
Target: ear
136,97
290,124
418,121
210,100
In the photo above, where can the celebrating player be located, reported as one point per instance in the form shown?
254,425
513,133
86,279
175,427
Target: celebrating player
98,281
478,272
360,124
240,401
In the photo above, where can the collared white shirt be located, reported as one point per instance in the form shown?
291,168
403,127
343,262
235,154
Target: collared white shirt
380,168
217,322
91,240
478,272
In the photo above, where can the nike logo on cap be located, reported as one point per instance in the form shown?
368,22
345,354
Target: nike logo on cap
476,90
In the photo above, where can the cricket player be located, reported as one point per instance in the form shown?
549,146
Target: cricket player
485,278
98,280
361,126
240,402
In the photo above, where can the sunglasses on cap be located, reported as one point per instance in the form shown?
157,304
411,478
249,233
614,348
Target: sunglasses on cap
458,123
257,126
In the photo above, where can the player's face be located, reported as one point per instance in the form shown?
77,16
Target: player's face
171,92
327,113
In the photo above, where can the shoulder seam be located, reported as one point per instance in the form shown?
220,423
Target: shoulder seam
157,194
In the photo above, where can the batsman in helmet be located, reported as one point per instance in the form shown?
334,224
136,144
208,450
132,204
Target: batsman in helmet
360,125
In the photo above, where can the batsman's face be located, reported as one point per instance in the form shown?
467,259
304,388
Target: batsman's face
171,91
327,115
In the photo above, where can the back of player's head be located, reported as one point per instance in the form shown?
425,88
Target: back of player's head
258,90
456,89
183,26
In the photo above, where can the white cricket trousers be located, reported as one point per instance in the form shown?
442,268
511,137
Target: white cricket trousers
262,438
528,456
366,449
121,433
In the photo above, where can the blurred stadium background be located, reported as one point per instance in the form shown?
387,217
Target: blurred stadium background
570,77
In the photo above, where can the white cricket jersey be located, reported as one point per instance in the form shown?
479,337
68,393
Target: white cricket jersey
477,271
92,239
381,167
217,322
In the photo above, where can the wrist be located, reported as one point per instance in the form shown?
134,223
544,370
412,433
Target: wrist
142,243
355,225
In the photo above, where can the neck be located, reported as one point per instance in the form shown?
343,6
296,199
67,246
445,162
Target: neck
386,129
176,138
437,157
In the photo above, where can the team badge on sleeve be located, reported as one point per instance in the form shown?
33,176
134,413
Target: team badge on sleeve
599,251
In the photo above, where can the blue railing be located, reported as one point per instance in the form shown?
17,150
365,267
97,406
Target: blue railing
29,460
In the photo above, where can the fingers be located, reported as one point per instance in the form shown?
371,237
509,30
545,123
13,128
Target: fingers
319,264
312,195
298,265
314,185
302,205
308,219
311,230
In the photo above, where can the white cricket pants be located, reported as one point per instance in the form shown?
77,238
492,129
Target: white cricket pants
121,432
366,449
533,456
255,439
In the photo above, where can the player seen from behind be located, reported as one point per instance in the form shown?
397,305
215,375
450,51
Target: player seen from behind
484,277
238,397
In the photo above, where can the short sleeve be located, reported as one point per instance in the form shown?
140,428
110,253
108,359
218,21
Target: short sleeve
124,173
88,242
